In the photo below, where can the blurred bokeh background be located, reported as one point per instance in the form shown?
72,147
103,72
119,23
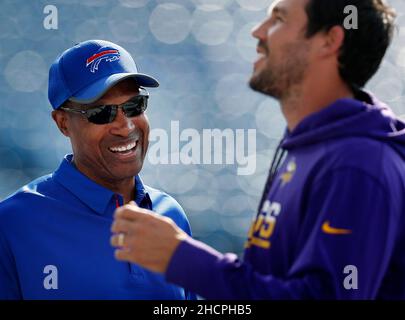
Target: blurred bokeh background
201,51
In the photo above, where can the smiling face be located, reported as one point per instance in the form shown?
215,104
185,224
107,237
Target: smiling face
107,153
283,50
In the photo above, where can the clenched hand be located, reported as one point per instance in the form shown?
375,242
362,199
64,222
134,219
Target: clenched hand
144,237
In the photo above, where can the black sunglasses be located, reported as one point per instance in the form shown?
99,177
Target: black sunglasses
104,114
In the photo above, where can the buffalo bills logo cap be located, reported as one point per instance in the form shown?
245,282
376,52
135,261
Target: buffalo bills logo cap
88,70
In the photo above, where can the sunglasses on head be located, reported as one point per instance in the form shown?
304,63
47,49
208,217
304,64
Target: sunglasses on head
106,113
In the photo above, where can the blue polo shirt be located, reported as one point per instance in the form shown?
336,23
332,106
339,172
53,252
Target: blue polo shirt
55,241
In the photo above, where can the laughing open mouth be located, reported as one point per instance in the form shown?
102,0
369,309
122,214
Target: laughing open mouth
124,148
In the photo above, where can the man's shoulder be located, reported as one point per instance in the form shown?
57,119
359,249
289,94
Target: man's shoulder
161,198
24,198
363,153
166,205
374,158
346,146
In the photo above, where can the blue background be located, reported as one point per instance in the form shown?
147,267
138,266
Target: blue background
201,51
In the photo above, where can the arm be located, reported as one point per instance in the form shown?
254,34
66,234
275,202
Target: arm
348,198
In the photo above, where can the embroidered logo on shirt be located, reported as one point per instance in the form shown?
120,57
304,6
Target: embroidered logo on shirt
326,228
289,174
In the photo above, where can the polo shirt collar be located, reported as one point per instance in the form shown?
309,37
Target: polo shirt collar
92,194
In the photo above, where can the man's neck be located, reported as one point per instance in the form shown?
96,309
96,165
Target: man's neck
311,98
124,187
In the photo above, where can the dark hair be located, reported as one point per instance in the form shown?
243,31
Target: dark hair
364,48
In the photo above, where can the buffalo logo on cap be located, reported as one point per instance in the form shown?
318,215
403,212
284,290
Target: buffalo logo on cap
108,55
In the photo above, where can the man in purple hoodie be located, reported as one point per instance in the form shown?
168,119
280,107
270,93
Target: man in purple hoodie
331,222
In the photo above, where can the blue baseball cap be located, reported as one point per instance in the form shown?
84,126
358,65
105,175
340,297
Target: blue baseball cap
85,72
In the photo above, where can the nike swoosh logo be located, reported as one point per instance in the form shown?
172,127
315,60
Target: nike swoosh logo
326,228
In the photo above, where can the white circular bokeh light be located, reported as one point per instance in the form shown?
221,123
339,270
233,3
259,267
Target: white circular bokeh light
127,24
133,3
233,96
212,4
245,43
26,71
254,5
269,119
212,27
90,29
170,23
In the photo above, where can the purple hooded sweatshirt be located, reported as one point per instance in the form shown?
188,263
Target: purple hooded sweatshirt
331,223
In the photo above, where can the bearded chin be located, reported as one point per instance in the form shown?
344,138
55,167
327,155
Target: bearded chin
280,79
264,82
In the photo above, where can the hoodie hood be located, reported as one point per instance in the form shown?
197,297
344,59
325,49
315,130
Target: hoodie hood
366,117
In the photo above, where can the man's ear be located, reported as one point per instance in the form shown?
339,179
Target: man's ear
332,41
61,118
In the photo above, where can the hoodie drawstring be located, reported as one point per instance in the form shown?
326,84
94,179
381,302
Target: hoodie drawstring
275,165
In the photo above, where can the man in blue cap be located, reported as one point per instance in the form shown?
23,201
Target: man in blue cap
54,232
